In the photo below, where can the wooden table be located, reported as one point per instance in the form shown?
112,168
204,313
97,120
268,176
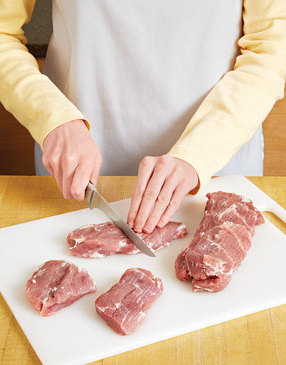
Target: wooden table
254,339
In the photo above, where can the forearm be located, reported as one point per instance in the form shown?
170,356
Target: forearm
241,100
29,95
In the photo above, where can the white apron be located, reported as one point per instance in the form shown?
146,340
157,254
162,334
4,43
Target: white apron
138,70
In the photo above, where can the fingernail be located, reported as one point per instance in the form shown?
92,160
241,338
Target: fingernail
130,224
137,229
147,230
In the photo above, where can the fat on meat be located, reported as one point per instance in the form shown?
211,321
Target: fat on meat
124,306
104,239
220,243
57,284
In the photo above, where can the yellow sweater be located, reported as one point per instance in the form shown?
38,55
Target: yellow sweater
237,104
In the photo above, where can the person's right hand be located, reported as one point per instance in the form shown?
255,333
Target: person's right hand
72,157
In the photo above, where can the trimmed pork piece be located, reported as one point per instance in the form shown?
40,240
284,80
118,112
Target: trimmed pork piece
104,239
57,284
124,306
220,243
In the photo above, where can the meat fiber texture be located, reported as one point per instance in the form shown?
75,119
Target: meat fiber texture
220,242
104,239
57,284
124,306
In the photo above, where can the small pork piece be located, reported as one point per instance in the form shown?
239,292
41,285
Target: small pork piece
104,239
57,284
220,243
124,306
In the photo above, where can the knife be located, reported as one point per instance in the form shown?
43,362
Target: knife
96,199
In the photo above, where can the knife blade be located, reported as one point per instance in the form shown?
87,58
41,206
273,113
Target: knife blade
97,200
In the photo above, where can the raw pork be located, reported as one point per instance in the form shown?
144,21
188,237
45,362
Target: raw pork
57,284
220,243
124,306
104,239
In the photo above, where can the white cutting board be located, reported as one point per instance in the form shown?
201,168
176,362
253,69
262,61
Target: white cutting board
77,335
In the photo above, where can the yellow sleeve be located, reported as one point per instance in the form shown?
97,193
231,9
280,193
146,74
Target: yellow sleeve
26,93
241,100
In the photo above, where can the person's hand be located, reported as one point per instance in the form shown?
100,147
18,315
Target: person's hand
72,157
161,184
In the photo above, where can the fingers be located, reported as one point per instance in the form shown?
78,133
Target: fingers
72,180
55,169
67,179
48,166
72,157
67,166
79,181
96,171
144,173
83,173
161,204
174,204
149,198
162,183
58,175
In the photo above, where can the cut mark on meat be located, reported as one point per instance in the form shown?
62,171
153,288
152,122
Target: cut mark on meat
220,242
105,239
58,284
124,306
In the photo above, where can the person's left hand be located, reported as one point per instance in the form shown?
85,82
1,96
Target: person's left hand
161,184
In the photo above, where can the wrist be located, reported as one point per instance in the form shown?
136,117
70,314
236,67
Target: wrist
65,129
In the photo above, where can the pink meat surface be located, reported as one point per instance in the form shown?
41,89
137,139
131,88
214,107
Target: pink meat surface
104,239
124,306
57,284
220,243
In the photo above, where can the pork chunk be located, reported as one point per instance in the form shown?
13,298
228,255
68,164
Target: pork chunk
57,284
124,306
104,239
220,243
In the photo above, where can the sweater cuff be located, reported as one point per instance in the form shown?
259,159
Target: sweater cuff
59,119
